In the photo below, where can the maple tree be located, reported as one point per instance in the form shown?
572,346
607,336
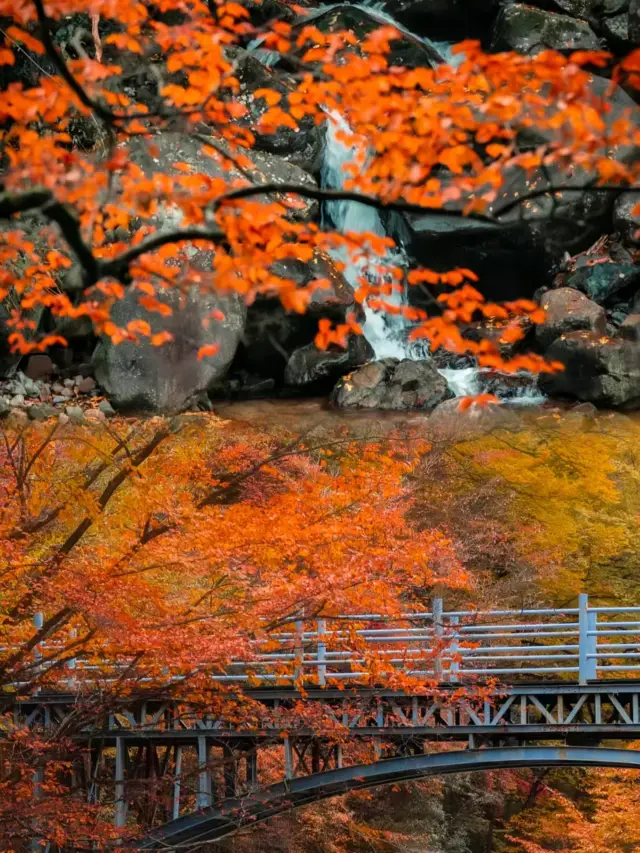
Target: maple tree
184,542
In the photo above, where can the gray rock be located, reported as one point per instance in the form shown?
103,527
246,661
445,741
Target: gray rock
568,310
598,369
75,414
408,49
446,20
39,366
40,413
625,222
69,383
86,384
601,281
17,387
634,22
5,407
526,29
31,388
140,376
17,401
393,385
630,328
106,408
616,30
58,399
174,147
95,415
308,365
302,147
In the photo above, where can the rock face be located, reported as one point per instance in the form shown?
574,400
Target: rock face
140,376
568,310
409,50
311,367
451,20
301,147
530,30
272,335
393,385
603,281
598,369
625,222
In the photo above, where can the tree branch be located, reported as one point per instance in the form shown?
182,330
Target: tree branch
54,54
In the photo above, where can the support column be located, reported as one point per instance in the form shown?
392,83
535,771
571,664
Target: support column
289,771
177,780
203,797
251,761
119,791
229,772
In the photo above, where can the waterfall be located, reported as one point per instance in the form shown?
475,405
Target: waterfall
388,334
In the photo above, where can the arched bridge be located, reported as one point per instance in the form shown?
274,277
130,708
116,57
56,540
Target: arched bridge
485,690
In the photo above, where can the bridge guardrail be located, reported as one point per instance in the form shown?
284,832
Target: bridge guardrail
582,643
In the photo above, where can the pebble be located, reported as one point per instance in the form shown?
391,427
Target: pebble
69,383
86,384
5,407
75,413
106,408
32,389
67,393
63,418
17,401
16,387
57,388
58,398
40,413
95,415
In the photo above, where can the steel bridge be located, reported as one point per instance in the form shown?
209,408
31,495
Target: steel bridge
486,690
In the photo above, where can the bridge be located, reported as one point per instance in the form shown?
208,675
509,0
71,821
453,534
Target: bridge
479,690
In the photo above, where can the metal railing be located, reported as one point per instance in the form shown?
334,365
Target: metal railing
582,643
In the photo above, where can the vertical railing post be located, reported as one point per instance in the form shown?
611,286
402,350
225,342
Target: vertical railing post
455,664
299,650
592,644
322,652
38,622
436,609
587,626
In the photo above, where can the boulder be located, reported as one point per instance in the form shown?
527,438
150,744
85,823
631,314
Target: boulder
303,146
616,31
393,385
449,20
171,147
139,376
625,222
309,366
602,281
598,369
568,310
272,334
527,29
407,50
